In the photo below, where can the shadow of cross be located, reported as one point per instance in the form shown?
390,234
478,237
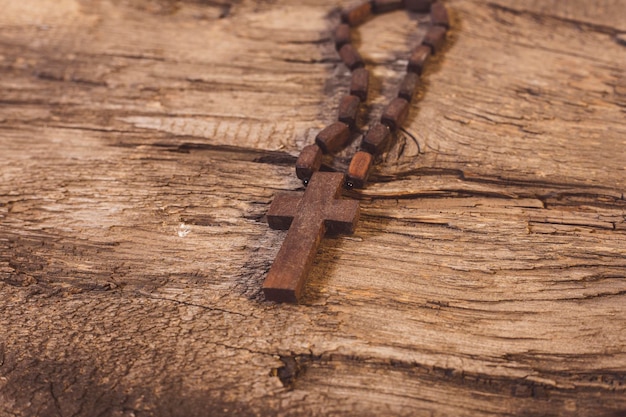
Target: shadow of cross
308,217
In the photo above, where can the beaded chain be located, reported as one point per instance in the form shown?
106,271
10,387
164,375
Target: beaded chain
320,210
336,136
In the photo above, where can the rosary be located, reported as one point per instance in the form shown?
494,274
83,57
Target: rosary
321,210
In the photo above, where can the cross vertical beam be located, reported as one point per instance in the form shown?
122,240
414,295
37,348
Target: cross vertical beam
308,218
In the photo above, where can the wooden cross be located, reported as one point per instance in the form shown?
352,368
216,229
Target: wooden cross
308,218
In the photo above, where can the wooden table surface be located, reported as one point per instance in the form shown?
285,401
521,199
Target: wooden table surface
142,142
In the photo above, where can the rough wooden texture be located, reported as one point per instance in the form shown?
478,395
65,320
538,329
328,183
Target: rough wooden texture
142,143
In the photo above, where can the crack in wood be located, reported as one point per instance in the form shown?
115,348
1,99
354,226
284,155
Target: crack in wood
187,303
297,368
604,29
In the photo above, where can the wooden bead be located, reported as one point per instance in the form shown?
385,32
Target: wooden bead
358,14
439,15
309,161
376,139
359,169
384,6
409,85
351,57
360,83
435,38
418,59
333,138
342,36
395,113
349,110
420,6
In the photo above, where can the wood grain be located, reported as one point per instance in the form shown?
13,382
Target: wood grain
142,143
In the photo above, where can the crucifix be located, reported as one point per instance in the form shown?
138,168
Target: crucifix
321,210
308,218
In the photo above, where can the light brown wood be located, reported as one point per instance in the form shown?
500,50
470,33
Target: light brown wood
142,142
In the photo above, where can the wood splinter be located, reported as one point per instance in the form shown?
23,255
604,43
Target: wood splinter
308,218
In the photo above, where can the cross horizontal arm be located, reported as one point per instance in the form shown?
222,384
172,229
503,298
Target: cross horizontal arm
282,210
341,216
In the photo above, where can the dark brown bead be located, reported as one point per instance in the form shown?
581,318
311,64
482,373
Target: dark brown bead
359,169
360,83
342,35
384,6
333,138
349,110
351,57
420,6
409,85
395,113
418,59
309,161
357,14
439,15
376,139
435,38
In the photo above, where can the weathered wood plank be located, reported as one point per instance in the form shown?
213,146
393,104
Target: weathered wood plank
142,144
